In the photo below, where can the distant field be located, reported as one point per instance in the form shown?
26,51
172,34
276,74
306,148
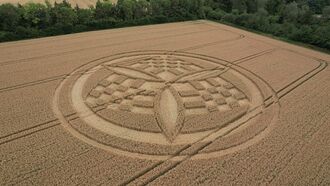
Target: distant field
80,3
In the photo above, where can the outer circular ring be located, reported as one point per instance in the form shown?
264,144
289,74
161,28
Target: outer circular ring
240,123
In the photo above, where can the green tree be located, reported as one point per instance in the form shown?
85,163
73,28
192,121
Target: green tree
239,5
36,15
192,8
305,15
104,9
290,12
318,5
64,17
225,5
126,9
215,14
142,9
273,7
263,20
321,36
304,34
252,6
84,16
160,7
10,17
326,12
261,4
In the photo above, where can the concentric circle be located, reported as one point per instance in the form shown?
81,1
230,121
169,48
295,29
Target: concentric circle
160,104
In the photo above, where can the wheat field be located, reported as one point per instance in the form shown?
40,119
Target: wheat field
187,103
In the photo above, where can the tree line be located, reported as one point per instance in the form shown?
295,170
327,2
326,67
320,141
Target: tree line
305,21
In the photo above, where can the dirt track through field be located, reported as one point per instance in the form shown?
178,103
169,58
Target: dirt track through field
177,104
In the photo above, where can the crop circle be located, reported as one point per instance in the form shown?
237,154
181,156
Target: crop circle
160,104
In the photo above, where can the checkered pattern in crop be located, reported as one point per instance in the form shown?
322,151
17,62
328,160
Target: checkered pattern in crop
210,95
165,64
123,93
